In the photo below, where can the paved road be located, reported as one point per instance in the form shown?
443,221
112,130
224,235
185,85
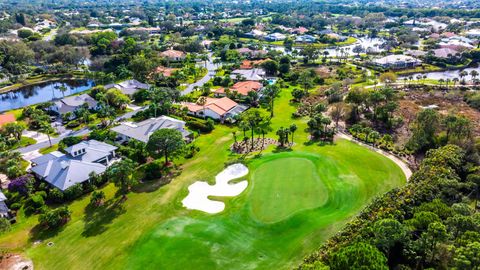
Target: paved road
55,140
211,67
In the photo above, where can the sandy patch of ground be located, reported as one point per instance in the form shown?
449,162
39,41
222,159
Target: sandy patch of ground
200,191
15,262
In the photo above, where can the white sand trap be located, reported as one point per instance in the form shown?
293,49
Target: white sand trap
199,191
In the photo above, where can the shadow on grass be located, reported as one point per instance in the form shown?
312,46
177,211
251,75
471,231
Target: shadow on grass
154,185
96,218
281,149
39,233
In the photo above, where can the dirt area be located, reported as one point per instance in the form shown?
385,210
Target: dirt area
15,262
413,101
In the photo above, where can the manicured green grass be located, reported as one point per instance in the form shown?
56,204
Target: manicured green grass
294,200
24,141
48,149
285,184
152,229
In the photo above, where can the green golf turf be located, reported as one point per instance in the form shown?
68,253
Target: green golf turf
294,200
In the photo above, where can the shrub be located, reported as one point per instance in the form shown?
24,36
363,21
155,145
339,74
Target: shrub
55,218
22,184
153,170
73,124
73,192
200,125
55,195
69,141
4,225
34,204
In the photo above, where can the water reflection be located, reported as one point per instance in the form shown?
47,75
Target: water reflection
43,92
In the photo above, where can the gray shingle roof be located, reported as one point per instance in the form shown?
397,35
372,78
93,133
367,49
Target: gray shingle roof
70,104
65,170
141,131
128,87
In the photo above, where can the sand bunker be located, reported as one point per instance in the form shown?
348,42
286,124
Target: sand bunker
199,191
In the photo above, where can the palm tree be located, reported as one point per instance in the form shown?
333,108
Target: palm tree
63,89
293,128
271,92
202,101
474,74
455,81
47,129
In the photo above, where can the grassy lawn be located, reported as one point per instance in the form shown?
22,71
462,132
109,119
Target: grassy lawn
24,141
295,201
48,149
319,187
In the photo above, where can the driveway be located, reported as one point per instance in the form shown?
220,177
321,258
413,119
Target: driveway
211,68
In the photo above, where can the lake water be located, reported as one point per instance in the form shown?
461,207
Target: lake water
34,94
367,43
447,74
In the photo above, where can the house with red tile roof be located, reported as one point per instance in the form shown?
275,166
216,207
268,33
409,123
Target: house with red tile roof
217,108
6,118
165,71
173,55
242,88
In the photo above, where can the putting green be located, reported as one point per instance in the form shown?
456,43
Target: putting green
284,186
294,202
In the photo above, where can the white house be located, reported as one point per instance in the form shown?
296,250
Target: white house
73,103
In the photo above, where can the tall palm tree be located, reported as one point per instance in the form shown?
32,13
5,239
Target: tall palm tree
292,129
202,101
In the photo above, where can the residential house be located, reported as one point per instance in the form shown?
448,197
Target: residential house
275,37
142,131
249,64
223,109
73,103
165,71
128,87
473,33
397,62
65,170
416,53
445,53
300,30
255,74
173,55
242,88
305,39
4,211
6,118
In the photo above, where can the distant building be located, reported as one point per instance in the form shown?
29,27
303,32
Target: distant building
473,33
306,39
173,55
255,74
142,131
242,88
275,37
128,87
445,53
65,170
397,62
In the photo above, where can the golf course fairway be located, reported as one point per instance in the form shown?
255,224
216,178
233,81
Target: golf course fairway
294,201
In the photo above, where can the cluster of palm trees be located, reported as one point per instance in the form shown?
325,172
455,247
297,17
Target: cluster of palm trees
283,134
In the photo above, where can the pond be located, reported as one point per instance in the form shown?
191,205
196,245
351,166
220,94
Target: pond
43,92
447,74
372,44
